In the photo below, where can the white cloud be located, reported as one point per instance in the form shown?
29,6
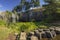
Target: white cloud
1,5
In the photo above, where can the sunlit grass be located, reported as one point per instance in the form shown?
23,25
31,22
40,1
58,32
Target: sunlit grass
4,33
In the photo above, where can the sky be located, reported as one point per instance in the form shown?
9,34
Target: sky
10,4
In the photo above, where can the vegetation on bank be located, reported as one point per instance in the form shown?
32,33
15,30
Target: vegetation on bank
18,27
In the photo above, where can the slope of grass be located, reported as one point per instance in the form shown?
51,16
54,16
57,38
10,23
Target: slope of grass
3,33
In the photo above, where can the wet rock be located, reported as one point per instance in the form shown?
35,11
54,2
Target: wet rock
17,36
49,35
43,34
33,37
29,35
23,36
57,30
36,33
53,33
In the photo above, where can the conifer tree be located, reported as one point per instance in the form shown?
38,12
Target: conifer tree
36,2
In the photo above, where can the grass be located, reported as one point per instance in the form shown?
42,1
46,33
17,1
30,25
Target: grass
27,26
3,33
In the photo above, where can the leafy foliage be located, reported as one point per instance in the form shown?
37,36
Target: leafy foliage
51,12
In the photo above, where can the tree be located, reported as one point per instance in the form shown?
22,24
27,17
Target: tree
25,5
51,8
35,2
17,8
22,2
8,17
20,6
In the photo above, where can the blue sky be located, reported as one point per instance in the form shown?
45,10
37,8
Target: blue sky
10,4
